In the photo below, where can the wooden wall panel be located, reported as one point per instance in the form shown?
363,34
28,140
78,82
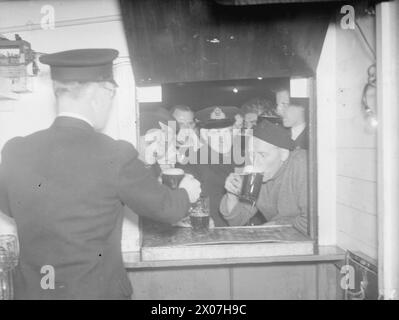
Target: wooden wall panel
357,163
290,281
293,282
198,40
358,225
353,133
348,241
328,282
179,283
358,194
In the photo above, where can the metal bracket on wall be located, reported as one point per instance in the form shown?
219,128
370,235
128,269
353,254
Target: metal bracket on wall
365,273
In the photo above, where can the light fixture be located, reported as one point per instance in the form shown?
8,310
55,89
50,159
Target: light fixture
235,90
369,90
260,78
372,120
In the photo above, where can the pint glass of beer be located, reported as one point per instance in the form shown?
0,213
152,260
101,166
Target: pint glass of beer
199,214
251,185
172,177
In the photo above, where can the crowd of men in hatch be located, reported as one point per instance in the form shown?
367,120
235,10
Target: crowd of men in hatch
65,187
217,143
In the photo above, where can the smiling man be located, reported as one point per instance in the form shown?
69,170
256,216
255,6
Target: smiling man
283,195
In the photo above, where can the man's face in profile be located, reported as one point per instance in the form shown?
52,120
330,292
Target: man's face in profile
293,116
283,101
250,120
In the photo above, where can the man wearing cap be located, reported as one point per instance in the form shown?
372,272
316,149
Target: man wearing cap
220,152
283,195
66,186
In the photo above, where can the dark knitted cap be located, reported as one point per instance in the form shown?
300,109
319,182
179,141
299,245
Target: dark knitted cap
274,134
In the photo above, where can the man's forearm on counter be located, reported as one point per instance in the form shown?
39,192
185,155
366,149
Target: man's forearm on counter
239,215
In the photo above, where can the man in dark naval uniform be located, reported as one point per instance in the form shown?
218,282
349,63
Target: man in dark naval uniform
221,150
66,186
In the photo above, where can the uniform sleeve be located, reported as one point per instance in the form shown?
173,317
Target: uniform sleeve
143,194
240,215
4,203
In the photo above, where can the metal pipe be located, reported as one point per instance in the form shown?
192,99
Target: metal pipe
387,14
63,23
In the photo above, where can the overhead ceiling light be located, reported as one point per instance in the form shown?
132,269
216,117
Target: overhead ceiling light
260,78
235,90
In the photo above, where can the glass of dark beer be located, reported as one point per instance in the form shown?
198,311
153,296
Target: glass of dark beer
199,214
251,185
172,177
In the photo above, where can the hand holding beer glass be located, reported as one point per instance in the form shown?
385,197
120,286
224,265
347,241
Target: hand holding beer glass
246,186
176,178
199,211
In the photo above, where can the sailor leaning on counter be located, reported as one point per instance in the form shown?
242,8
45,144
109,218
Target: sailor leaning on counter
65,187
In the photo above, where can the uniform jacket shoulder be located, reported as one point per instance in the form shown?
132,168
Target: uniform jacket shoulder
125,149
11,146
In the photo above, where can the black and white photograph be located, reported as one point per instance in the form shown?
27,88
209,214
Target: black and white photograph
199,154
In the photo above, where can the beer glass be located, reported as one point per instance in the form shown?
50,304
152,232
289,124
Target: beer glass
172,177
199,214
251,184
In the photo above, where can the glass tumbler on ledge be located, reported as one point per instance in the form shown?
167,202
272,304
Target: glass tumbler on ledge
199,214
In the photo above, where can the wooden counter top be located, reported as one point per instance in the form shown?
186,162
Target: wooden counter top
165,246
322,254
164,242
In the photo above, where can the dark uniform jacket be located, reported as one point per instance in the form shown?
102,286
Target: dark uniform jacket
212,169
65,187
302,141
